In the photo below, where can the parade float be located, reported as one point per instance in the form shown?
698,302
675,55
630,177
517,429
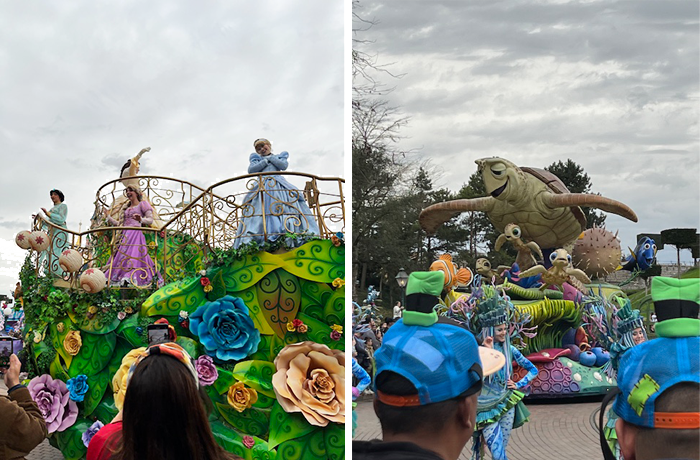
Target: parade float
262,320
562,313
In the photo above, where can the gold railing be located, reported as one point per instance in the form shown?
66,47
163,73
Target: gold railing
190,221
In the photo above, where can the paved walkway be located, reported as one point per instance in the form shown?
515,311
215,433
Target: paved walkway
556,430
43,451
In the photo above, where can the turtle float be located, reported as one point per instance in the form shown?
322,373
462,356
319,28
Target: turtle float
483,268
525,258
559,273
535,199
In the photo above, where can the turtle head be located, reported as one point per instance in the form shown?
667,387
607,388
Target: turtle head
512,232
502,179
483,266
560,258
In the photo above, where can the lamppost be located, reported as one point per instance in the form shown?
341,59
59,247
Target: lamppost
402,279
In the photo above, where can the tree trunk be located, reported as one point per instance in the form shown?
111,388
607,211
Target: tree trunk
678,252
363,278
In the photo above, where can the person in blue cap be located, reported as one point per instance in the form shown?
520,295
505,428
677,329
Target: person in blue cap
658,395
429,373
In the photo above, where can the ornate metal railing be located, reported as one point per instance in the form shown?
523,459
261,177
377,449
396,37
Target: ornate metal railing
190,222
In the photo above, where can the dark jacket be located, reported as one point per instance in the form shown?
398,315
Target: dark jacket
22,427
380,450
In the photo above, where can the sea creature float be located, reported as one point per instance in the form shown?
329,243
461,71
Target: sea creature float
597,252
526,251
560,272
642,257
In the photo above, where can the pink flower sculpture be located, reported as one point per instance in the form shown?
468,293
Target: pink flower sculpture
206,370
52,397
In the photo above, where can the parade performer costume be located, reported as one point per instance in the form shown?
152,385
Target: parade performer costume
130,262
500,408
274,206
57,215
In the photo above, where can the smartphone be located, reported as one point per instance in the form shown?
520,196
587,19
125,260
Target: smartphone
158,333
6,350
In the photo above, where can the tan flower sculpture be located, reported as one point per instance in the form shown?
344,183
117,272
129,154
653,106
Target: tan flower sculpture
241,397
72,343
310,379
119,379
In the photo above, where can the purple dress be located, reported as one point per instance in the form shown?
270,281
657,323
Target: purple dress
130,261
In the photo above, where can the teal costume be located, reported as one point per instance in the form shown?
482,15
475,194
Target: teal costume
59,240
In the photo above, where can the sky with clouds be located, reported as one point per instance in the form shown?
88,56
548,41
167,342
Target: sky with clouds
87,84
613,85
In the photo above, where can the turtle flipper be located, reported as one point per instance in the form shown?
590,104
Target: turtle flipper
500,241
433,216
592,201
536,270
534,247
578,274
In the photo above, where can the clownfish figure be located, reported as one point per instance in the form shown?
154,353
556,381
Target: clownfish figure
453,276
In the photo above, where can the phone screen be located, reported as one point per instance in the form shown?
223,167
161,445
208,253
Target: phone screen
158,333
6,345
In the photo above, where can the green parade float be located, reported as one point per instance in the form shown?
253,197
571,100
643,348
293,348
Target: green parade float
283,293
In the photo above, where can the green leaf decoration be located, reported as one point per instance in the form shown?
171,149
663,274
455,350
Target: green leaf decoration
246,272
229,439
309,446
314,297
257,375
127,330
284,426
320,332
334,310
106,410
279,294
94,325
250,297
224,381
58,337
122,348
56,369
263,351
334,435
97,385
218,284
94,354
187,295
190,346
317,260
70,441
251,421
264,401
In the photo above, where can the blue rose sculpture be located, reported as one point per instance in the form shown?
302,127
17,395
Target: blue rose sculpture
225,329
78,387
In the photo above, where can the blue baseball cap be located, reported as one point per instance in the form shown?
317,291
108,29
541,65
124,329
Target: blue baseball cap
649,369
441,360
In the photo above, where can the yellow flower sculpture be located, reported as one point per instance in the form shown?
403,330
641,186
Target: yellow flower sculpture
72,343
310,379
241,397
337,328
119,379
338,283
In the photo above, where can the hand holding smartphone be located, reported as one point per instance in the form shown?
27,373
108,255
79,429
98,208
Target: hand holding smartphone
158,333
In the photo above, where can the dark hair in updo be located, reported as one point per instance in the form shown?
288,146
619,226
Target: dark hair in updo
126,166
59,193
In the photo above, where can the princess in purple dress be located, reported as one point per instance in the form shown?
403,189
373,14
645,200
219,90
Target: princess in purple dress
130,262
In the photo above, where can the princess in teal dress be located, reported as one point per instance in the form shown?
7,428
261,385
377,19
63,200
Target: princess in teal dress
274,206
59,239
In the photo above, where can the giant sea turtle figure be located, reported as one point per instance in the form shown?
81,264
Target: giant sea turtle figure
535,199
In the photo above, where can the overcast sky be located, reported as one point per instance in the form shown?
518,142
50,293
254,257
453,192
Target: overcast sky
87,84
613,85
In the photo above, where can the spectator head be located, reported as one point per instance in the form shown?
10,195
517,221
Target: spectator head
658,400
428,375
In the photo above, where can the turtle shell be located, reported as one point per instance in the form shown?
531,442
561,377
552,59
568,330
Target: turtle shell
557,186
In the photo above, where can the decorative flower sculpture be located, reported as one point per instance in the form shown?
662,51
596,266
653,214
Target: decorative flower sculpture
52,397
310,379
92,431
206,370
72,343
241,397
119,379
225,329
78,387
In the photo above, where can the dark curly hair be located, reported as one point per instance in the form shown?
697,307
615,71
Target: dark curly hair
59,193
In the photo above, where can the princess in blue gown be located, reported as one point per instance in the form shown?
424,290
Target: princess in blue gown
273,207
59,239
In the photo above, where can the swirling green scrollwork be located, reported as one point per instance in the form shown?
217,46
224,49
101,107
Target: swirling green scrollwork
263,352
94,354
250,298
257,375
264,401
70,441
314,298
285,426
228,439
251,421
187,295
279,296
127,330
334,435
334,310
224,381
320,332
57,369
218,284
310,446
106,410
191,346
317,260
97,386
249,270
120,350
58,337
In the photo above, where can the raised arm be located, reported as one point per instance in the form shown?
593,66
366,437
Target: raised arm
524,363
146,212
280,160
257,163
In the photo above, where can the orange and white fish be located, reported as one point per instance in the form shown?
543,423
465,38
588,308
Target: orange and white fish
453,276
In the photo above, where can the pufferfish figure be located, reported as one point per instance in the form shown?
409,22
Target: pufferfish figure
453,275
